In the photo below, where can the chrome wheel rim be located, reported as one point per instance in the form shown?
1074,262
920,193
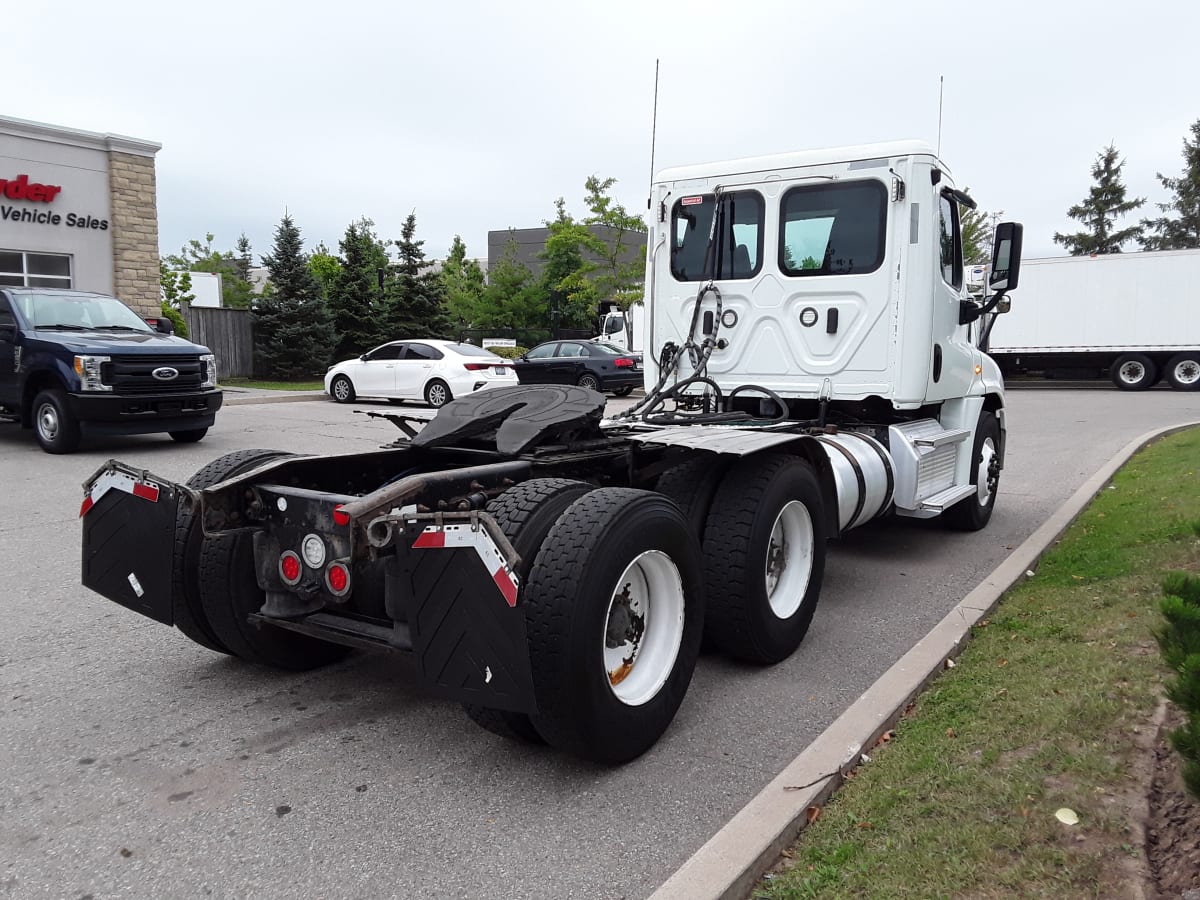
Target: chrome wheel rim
983,474
643,628
1187,371
789,559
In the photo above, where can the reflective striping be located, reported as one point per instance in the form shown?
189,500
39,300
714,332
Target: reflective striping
110,479
436,537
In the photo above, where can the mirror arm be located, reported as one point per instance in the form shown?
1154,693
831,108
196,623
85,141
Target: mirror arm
969,311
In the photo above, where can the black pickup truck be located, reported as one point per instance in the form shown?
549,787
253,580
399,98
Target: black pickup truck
75,363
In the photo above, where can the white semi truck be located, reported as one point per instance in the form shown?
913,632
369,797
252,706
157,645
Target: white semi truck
810,367
624,328
1132,316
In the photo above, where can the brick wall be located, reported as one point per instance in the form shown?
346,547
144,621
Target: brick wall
135,231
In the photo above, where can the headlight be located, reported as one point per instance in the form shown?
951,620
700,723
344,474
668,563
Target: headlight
88,368
209,364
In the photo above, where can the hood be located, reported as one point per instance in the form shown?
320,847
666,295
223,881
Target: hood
130,342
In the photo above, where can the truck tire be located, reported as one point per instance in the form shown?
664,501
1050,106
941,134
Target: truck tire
525,513
188,437
185,590
229,594
342,389
615,610
56,429
1134,372
692,485
1183,371
764,557
437,393
974,512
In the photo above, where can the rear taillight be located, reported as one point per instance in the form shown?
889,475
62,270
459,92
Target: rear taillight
476,367
340,516
289,567
337,579
623,362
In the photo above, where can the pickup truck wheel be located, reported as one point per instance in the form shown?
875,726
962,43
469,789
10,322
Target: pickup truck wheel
188,437
56,429
1183,371
187,609
974,512
342,389
525,513
764,557
615,610
1134,372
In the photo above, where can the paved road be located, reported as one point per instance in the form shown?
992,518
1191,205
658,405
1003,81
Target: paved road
133,763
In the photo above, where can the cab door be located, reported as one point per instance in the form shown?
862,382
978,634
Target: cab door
952,358
9,355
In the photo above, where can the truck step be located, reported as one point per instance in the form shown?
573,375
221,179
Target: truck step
344,630
943,500
941,439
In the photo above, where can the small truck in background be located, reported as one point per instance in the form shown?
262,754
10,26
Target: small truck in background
1134,317
75,363
811,365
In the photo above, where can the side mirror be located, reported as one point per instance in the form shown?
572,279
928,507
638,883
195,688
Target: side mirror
1005,305
161,324
1006,257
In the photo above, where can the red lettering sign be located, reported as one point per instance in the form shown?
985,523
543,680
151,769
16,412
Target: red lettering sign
19,188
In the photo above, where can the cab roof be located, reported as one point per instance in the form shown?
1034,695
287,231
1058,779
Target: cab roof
800,159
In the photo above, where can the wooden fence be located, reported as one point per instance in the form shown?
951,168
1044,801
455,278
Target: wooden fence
227,333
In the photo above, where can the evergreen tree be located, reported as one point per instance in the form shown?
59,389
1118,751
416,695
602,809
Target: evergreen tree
463,283
293,329
1180,228
355,296
243,260
1099,211
977,233
513,297
415,305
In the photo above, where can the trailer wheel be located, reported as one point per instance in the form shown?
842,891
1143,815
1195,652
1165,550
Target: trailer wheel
187,608
764,557
229,594
615,610
1183,371
974,512
525,513
692,485
1134,372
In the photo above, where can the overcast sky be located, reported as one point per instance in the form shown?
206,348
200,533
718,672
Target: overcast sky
478,115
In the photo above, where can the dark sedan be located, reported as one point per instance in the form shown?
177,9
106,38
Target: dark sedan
590,364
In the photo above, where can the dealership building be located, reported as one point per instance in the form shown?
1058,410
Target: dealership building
78,210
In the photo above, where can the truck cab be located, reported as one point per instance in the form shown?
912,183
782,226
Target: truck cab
75,363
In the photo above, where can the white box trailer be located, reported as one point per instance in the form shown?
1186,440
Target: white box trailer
1134,316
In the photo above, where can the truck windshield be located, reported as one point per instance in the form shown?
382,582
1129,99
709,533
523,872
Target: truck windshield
74,311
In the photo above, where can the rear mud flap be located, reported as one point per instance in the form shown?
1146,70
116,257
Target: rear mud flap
129,539
467,625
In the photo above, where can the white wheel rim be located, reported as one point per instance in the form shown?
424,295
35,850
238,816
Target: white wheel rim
789,559
47,419
1187,371
1132,372
437,394
643,628
982,475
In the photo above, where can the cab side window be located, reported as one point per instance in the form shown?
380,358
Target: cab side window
422,351
6,313
950,243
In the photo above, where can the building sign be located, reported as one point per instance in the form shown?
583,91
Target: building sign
21,188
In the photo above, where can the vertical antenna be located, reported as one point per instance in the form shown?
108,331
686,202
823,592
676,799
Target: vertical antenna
941,86
653,130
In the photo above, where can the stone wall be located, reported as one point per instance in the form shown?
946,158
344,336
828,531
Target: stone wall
135,231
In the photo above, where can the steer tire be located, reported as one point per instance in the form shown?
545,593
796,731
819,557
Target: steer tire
570,598
749,504
187,608
970,514
56,429
525,513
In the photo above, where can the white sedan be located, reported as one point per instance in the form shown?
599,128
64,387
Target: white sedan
433,371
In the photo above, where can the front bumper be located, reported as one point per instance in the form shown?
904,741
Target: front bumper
144,414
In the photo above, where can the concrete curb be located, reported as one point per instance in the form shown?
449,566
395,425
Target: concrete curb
272,398
733,859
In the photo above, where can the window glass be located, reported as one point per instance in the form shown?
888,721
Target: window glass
46,264
544,351
471,350
387,351
737,247
78,311
570,348
950,243
11,263
35,269
12,280
6,315
422,351
832,229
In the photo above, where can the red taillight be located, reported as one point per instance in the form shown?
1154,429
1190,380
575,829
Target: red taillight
337,578
477,367
340,516
289,567
623,362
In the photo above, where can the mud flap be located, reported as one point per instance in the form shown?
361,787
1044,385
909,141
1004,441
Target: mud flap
129,539
466,622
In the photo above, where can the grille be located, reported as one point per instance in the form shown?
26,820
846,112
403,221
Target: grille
132,375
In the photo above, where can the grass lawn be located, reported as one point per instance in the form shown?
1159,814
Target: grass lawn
1041,712
273,385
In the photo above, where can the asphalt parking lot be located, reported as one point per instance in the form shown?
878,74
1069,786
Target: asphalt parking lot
134,763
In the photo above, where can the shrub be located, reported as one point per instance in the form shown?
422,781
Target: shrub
176,317
509,352
1179,640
